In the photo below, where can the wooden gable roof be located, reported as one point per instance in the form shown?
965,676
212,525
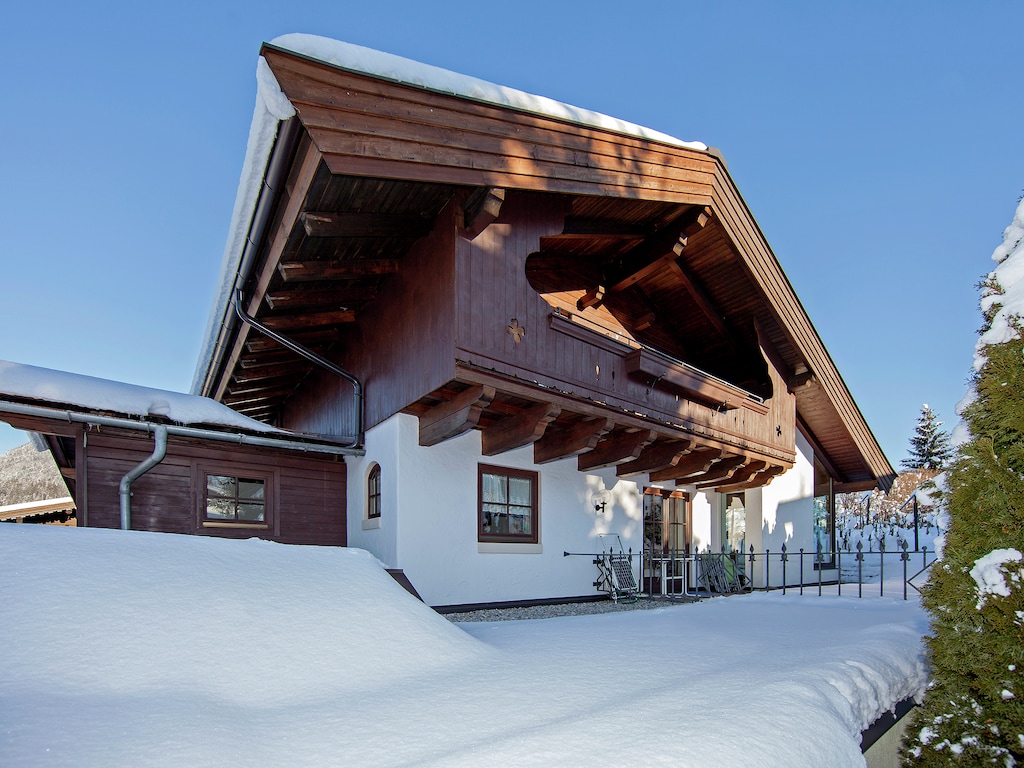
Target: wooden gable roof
376,160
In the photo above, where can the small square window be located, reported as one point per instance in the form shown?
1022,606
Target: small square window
508,509
234,500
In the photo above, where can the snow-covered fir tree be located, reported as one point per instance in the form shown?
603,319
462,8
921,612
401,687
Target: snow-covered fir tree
929,447
973,711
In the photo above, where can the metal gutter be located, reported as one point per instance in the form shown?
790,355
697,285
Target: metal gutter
313,357
178,431
273,182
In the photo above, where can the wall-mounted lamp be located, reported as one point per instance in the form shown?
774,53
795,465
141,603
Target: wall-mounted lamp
601,501
599,506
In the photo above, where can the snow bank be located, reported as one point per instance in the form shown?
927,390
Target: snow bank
128,648
74,389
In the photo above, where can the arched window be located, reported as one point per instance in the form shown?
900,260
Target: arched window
373,493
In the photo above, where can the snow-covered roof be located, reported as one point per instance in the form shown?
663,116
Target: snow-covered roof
273,107
74,389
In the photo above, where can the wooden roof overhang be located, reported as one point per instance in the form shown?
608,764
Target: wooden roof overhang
376,162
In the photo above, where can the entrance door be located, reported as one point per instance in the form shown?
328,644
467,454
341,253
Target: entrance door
666,540
734,535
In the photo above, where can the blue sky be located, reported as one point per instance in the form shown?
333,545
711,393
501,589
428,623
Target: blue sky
878,145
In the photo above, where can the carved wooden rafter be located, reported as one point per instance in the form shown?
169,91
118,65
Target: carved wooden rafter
518,429
721,470
693,463
616,449
655,252
456,416
656,457
739,474
757,480
571,441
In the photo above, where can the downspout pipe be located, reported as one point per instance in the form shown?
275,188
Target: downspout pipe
125,488
313,357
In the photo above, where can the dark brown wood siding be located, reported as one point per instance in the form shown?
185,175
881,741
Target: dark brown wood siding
309,503
493,291
400,347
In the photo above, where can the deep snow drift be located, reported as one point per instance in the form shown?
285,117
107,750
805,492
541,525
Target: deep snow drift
125,648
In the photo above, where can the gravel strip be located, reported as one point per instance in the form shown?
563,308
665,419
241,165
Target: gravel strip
565,609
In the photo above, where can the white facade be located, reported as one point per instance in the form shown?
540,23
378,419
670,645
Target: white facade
428,522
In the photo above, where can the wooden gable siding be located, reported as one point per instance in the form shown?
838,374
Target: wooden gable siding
825,404
367,126
494,294
310,493
400,348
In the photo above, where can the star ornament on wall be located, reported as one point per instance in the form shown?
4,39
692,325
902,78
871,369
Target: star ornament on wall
517,331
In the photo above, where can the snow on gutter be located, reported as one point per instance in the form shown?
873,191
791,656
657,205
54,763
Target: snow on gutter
273,107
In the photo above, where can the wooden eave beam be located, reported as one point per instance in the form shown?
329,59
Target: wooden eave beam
246,375
256,397
616,449
693,463
331,224
592,298
656,456
701,298
582,228
572,441
744,472
456,416
300,298
655,252
310,320
311,271
480,210
517,430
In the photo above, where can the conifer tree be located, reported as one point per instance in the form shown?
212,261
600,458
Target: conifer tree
973,711
929,447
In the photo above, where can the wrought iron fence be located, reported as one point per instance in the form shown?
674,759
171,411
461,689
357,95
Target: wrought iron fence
680,573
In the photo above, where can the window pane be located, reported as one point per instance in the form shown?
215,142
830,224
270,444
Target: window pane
520,491
494,488
250,489
220,485
220,509
250,512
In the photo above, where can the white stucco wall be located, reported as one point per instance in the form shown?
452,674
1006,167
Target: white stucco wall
428,525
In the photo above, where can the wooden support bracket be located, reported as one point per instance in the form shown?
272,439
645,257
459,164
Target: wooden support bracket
518,429
616,449
458,415
656,456
572,441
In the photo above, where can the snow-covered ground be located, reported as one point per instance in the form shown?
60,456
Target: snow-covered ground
127,648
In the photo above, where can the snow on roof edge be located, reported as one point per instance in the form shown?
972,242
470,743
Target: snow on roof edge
76,389
272,107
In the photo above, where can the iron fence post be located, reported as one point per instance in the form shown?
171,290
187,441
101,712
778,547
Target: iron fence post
801,571
821,562
905,557
839,572
881,567
860,569
751,567
767,569
784,559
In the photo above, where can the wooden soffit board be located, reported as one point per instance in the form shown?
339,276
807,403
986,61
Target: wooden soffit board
370,126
